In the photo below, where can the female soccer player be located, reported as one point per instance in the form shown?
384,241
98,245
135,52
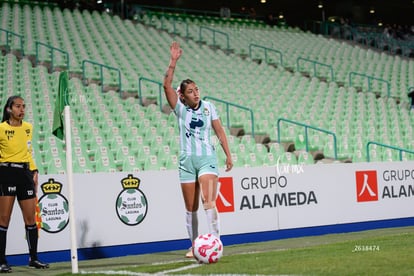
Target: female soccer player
18,178
198,166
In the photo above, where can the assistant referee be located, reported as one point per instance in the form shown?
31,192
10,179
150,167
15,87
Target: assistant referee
18,178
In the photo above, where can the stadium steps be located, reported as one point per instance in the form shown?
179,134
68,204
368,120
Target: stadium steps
285,103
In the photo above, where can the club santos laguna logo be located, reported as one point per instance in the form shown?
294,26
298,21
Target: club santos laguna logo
131,204
54,207
395,184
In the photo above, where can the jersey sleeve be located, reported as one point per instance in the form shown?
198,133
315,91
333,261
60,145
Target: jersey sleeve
214,114
178,107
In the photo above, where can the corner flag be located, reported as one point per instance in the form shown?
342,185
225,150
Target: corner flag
61,101
61,129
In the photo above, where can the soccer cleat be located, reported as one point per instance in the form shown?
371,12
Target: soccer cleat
37,264
5,268
189,254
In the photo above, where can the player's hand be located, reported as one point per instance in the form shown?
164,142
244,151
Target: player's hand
229,164
175,50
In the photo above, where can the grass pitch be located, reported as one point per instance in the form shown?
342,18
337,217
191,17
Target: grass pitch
387,251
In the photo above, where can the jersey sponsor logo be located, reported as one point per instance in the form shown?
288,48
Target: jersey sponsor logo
195,122
9,134
366,186
225,196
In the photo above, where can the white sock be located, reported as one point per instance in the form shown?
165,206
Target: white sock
192,225
213,221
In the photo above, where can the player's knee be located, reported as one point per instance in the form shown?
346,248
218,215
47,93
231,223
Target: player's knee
209,204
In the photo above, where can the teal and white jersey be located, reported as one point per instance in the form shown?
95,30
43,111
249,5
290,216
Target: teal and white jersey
195,128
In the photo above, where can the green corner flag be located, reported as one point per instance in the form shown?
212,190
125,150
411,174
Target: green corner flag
61,101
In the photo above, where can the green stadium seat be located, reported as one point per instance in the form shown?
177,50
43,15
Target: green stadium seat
56,166
237,159
270,159
152,163
171,161
253,160
305,158
122,152
105,164
287,158
130,164
276,148
82,165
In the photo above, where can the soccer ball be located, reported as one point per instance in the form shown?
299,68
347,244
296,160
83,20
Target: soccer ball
207,249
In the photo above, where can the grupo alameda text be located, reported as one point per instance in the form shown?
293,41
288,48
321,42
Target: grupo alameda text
271,200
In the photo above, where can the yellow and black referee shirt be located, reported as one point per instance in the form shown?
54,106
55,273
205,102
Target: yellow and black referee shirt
16,144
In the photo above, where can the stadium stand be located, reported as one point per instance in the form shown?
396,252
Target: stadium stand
113,131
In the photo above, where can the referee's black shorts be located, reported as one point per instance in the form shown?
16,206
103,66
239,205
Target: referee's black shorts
16,181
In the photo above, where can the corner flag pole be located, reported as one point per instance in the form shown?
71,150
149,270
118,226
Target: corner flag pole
61,128
69,172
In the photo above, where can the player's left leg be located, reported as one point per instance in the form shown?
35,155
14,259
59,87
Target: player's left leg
209,191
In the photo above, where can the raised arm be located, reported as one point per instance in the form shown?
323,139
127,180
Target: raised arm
175,54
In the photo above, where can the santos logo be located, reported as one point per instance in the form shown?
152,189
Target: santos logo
366,186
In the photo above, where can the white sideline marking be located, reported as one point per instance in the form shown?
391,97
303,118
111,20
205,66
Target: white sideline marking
126,272
116,272
180,268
